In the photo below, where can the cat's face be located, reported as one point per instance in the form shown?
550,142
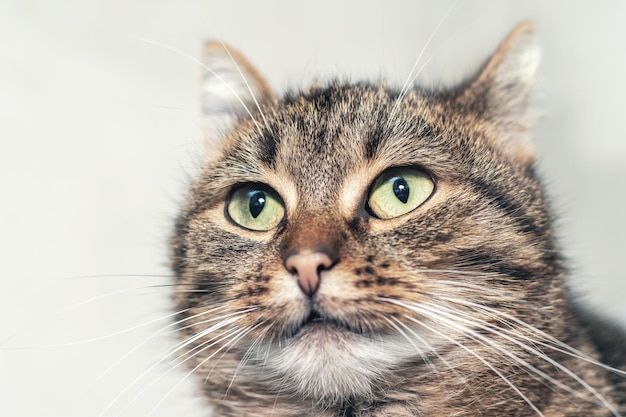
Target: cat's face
334,231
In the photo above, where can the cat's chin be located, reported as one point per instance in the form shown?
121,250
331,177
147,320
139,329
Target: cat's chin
327,362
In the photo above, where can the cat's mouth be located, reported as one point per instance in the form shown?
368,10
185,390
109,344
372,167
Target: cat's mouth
317,320
315,317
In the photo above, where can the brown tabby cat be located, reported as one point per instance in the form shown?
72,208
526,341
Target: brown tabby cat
357,250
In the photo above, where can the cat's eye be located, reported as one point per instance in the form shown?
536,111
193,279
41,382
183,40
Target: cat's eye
398,191
256,207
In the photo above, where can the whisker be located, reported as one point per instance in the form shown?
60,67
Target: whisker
483,290
536,352
169,352
174,364
438,315
457,343
93,276
477,356
153,335
431,349
566,349
241,334
401,332
409,79
75,306
244,358
225,320
246,309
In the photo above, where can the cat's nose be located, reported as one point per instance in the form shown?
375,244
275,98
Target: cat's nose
307,266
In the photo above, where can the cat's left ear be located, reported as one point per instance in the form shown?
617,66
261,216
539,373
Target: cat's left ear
231,90
500,92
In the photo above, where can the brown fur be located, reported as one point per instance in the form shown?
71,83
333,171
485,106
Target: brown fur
485,237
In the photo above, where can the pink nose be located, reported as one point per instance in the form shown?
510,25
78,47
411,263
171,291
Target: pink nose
308,266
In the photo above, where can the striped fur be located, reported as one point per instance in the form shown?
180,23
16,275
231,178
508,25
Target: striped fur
458,308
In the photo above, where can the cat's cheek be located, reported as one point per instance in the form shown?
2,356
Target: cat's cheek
339,287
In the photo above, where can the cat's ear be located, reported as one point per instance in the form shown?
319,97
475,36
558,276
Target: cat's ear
231,89
500,92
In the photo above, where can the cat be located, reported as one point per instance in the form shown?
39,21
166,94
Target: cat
359,250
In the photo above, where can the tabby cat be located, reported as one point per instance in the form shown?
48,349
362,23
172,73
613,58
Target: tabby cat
361,250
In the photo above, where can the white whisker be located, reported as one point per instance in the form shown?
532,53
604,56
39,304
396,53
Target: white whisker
246,309
174,364
79,304
240,334
539,354
181,345
421,340
152,336
438,313
564,348
410,78
246,356
481,359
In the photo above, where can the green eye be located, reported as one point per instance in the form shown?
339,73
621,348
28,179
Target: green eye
398,191
256,207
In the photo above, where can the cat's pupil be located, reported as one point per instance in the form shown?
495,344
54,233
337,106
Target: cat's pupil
257,202
401,189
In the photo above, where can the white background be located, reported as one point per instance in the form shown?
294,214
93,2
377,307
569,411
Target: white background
99,130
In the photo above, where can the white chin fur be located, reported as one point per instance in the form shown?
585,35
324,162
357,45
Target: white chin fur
327,365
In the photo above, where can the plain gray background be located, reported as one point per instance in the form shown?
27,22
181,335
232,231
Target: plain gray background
99,131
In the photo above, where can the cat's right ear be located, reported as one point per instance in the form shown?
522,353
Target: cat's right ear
500,92
231,89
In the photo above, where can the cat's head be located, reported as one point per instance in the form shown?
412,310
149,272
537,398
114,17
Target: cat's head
338,233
